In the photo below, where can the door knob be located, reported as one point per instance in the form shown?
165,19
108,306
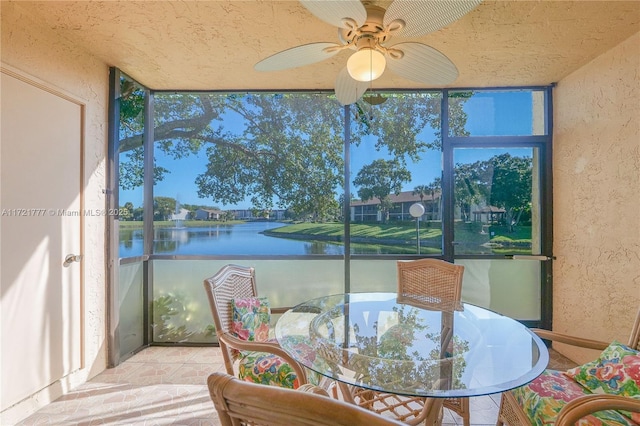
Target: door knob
70,258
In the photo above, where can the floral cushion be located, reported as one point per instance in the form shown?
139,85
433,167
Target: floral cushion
616,371
267,369
251,319
544,397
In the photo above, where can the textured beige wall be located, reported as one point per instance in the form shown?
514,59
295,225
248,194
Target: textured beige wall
597,197
58,64
597,182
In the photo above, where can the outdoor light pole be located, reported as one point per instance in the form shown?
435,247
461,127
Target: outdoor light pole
417,210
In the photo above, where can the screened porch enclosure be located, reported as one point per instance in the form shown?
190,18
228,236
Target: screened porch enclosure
317,197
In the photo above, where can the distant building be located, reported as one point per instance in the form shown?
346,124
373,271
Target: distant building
242,214
275,214
489,214
208,214
368,211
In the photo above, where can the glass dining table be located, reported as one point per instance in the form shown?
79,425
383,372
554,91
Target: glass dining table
391,344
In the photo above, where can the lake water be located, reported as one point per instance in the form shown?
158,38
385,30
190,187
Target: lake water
220,239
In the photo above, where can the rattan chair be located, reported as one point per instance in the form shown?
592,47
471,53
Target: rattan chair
428,283
243,403
433,281
236,282
511,412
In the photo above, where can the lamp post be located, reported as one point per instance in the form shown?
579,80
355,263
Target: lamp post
417,210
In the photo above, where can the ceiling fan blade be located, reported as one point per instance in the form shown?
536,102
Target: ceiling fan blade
349,90
334,11
298,56
423,64
425,16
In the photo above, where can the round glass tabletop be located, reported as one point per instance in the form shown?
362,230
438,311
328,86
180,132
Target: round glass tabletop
373,340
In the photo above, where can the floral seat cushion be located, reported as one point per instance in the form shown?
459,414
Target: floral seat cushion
251,322
615,372
543,398
267,369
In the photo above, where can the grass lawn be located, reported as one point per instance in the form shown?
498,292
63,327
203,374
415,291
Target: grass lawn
430,235
399,231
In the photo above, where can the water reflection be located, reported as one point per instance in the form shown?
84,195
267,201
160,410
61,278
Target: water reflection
221,239
241,239
127,236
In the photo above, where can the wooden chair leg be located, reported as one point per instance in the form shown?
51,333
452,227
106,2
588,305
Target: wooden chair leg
465,412
460,406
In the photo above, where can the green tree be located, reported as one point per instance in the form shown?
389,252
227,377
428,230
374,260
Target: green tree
131,169
469,187
511,186
434,188
400,121
502,181
430,189
378,180
287,153
274,150
163,207
138,213
131,164
126,212
421,191
260,213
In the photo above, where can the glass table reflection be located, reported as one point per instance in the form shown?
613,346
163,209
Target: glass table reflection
375,341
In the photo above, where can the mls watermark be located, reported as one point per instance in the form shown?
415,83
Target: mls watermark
62,212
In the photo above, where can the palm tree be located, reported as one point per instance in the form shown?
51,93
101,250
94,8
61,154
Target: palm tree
433,187
421,191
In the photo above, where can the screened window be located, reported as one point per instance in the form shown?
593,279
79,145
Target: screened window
322,198
263,174
131,167
496,199
396,163
498,112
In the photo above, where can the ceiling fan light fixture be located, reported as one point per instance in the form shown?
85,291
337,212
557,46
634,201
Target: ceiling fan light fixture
367,28
366,64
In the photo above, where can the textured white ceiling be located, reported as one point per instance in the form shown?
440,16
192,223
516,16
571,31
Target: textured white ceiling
214,44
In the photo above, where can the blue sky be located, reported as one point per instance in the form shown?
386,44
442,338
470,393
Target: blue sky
507,113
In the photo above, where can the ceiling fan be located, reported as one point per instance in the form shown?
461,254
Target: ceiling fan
367,29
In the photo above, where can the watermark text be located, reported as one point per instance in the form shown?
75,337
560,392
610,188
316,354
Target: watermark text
36,212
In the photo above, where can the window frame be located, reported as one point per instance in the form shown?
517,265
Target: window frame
449,143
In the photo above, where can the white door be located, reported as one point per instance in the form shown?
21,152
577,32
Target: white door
40,224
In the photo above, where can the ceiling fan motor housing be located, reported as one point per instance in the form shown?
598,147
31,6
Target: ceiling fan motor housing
371,34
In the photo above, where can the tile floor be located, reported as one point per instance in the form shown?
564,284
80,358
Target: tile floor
157,386
167,386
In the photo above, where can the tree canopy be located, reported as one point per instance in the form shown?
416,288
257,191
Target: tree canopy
276,150
286,150
502,181
379,179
